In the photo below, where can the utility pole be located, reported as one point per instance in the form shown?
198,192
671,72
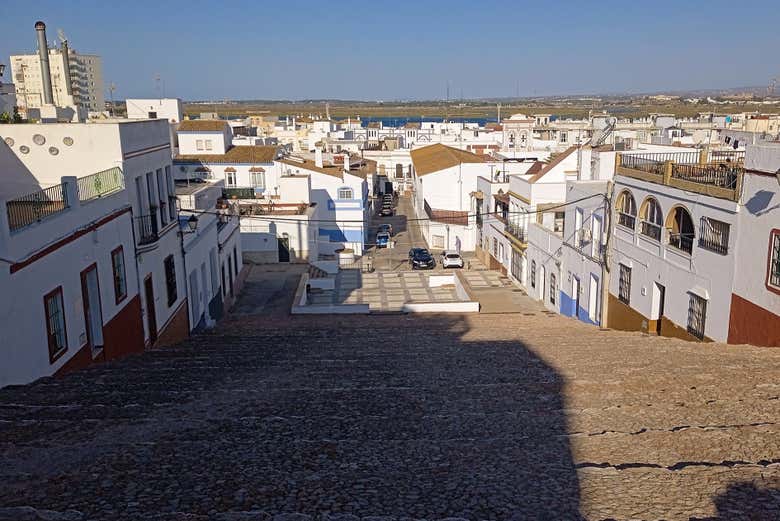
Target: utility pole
111,89
606,258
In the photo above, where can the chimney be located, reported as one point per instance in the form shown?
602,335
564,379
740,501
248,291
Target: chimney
318,157
43,54
66,65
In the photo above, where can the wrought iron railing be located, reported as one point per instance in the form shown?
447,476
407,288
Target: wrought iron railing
31,208
147,228
516,230
728,156
239,192
100,184
651,230
714,236
681,241
644,163
714,175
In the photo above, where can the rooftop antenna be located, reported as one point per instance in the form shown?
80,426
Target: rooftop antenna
159,81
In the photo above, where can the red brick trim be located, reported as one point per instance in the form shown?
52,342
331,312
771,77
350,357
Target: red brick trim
770,287
66,240
53,357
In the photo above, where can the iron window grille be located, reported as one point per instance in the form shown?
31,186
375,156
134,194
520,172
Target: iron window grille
552,288
714,235
774,261
624,286
170,279
55,324
697,315
120,278
533,274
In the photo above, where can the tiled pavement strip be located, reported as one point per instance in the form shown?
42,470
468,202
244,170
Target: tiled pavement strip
523,416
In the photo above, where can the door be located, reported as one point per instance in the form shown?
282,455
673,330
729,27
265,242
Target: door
543,283
575,296
93,315
284,249
593,296
151,314
659,295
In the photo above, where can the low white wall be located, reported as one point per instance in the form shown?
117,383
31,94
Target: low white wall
435,281
442,307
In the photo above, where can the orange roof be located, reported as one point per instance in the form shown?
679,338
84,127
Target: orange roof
202,125
438,157
307,164
245,154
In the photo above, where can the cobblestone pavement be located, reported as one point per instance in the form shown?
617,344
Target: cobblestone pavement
523,416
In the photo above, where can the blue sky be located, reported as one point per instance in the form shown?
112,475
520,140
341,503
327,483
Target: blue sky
296,49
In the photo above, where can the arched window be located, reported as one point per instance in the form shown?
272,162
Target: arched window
345,193
533,274
651,219
681,230
626,209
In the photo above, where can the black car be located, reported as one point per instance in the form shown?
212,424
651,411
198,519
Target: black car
421,259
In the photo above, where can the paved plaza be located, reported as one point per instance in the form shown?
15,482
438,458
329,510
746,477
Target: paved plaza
481,417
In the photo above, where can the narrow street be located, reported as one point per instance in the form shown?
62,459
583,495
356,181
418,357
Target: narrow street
406,235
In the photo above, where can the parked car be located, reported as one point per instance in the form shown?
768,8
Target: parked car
421,259
387,228
387,211
382,240
451,259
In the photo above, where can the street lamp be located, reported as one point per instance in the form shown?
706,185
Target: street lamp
192,223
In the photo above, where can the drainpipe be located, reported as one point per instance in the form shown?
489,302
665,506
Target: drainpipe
606,260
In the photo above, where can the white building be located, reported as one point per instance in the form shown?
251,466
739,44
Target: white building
675,243
85,78
141,150
156,108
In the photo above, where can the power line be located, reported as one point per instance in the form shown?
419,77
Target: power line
416,219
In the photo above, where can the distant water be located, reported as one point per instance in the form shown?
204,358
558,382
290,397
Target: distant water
401,121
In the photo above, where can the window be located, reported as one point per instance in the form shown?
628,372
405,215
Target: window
697,315
714,235
533,274
170,279
258,179
624,287
199,144
152,115
578,218
235,260
55,324
120,280
208,144
652,219
773,277
162,192
345,193
681,231
230,178
552,288
495,247
626,208
224,286
564,137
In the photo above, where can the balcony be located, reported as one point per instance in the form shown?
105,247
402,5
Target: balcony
35,207
242,192
517,231
100,184
681,241
147,228
715,173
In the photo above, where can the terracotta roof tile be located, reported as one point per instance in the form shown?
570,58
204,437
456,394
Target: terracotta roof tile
202,125
552,164
245,154
438,157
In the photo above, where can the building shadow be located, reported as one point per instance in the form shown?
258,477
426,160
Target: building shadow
745,501
401,416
